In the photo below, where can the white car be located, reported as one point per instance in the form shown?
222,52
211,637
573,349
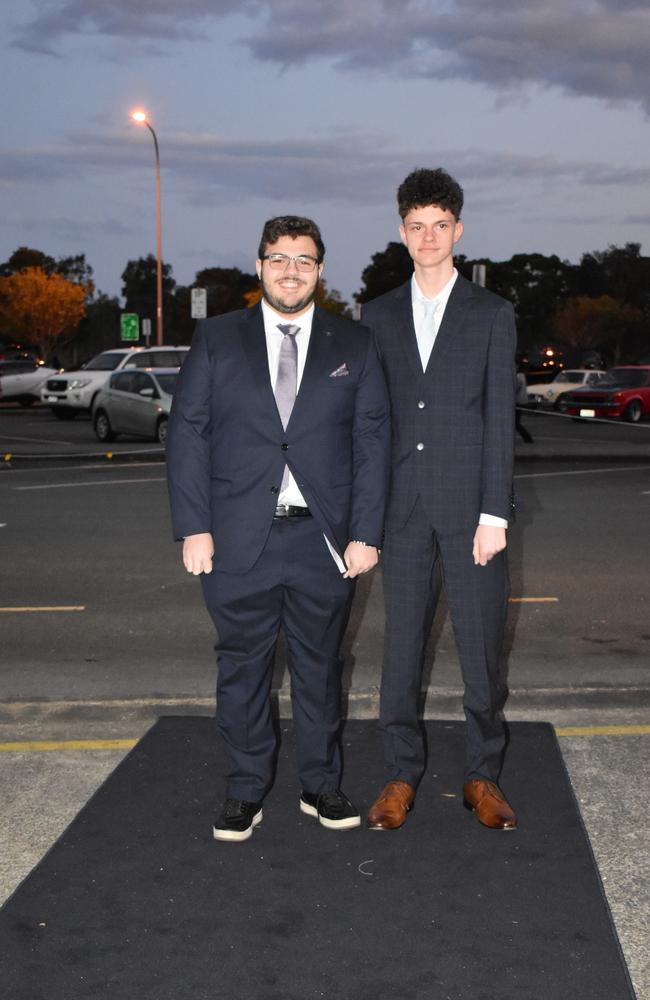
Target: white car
21,380
550,394
70,393
136,403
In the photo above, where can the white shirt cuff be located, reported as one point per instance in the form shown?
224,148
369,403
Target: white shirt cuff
492,519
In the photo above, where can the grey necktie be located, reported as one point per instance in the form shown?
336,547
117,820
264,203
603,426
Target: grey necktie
429,330
286,383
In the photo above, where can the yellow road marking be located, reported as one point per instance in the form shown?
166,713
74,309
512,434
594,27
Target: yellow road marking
28,745
534,600
602,730
64,607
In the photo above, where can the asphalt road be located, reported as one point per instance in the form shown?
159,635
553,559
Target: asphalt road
128,639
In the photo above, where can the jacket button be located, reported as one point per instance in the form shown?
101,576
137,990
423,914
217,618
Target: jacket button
284,446
420,446
421,404
275,489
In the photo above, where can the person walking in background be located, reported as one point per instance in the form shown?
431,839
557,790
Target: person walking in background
278,456
447,349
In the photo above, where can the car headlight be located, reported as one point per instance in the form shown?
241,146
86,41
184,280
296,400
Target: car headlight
79,383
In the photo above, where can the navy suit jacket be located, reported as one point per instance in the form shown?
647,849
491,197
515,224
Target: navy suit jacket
453,425
226,447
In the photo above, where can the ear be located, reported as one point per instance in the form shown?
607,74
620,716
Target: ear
402,234
258,268
458,231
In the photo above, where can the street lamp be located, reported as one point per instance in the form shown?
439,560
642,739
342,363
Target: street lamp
140,117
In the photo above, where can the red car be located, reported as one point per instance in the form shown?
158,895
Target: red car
622,392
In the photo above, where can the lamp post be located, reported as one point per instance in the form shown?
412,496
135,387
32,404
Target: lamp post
141,118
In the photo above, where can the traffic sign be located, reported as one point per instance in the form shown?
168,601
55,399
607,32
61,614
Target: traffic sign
130,326
199,303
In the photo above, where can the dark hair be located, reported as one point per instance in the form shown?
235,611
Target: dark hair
430,187
293,226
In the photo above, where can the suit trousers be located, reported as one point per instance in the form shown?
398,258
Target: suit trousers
416,558
295,586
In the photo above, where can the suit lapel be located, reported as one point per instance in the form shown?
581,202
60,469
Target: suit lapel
254,343
452,320
403,324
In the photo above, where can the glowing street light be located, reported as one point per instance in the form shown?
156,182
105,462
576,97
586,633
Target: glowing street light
140,117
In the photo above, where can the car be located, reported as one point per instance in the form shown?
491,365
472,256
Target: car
74,392
21,380
136,402
551,393
622,392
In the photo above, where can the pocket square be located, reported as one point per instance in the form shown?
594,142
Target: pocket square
341,370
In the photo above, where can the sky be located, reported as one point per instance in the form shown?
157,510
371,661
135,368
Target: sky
267,107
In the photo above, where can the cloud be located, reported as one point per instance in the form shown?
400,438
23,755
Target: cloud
595,48
337,167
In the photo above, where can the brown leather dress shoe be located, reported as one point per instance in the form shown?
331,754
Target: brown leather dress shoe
389,811
490,805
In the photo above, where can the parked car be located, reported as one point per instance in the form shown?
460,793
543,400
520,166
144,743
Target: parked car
622,392
551,393
136,402
21,380
74,392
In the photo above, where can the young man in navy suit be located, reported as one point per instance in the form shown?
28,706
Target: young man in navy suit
447,349
278,457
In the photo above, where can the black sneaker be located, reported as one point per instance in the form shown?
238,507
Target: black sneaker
237,820
333,809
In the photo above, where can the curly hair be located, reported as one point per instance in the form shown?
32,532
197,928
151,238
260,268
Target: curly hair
430,187
293,226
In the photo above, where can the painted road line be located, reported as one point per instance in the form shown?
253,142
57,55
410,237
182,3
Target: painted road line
97,482
602,730
580,472
29,610
27,746
534,600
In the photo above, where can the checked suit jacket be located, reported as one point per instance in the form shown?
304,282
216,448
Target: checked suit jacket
452,425
226,447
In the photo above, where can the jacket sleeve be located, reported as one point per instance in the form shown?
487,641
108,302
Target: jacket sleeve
499,416
188,442
371,443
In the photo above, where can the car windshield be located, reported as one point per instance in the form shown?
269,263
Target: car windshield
628,377
105,362
167,382
568,377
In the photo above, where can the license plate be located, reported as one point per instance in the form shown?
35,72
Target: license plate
52,399
587,413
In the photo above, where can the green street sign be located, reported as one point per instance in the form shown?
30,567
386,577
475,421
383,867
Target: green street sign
130,326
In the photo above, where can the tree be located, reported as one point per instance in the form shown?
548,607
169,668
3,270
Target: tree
331,301
139,291
226,288
389,269
602,323
40,308
27,257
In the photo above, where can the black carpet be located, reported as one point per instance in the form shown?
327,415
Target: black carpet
136,901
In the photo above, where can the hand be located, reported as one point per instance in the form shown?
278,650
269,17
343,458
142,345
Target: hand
198,551
488,540
359,559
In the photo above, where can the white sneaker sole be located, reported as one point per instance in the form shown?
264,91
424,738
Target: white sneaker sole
331,824
237,835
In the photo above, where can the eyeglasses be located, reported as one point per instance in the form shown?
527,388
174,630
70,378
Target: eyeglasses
280,261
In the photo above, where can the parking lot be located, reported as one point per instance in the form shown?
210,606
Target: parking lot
103,631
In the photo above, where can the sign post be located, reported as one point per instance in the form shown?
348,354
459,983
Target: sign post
146,330
199,303
130,326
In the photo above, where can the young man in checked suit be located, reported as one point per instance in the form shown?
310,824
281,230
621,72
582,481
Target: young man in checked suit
447,349
278,455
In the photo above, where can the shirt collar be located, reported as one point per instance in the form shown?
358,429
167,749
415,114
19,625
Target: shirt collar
272,318
442,296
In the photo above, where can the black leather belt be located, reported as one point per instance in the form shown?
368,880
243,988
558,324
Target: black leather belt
286,510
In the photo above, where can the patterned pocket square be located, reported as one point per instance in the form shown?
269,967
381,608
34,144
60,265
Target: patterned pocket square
341,370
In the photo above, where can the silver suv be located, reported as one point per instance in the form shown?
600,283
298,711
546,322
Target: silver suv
75,392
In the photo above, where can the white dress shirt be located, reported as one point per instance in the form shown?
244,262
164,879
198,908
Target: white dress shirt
427,317
291,495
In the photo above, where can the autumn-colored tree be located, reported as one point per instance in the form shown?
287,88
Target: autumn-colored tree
331,301
602,323
39,308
